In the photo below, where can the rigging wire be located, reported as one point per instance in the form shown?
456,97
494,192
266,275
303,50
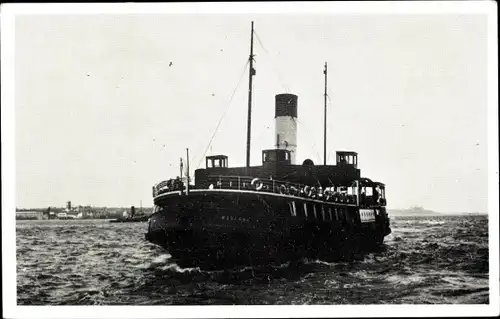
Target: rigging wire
307,134
223,114
288,91
285,86
264,129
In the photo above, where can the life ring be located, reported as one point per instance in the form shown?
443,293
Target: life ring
327,194
283,189
293,190
259,186
312,192
306,190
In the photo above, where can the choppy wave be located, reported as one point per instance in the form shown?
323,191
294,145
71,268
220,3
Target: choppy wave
436,260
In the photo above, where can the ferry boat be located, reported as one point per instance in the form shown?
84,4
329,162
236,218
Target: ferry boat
277,211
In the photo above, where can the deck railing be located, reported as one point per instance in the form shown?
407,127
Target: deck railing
332,194
335,194
168,186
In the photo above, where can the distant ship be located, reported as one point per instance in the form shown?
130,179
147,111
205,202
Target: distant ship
413,211
136,219
419,210
133,218
276,211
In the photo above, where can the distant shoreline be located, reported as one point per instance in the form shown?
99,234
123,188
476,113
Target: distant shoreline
409,212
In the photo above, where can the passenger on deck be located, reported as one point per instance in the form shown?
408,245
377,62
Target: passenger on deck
375,195
177,183
336,195
362,198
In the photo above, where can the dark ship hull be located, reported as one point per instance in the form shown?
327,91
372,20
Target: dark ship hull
221,226
278,211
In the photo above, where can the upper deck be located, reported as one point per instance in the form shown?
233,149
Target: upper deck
339,183
276,165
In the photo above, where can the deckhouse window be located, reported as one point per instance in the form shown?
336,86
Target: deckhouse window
217,161
369,191
271,157
276,156
350,158
351,191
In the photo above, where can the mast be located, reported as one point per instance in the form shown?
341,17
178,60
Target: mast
250,75
325,72
181,168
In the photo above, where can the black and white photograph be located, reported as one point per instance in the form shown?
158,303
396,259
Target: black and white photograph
323,159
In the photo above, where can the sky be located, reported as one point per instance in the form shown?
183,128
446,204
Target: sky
105,105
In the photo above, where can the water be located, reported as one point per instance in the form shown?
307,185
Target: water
426,260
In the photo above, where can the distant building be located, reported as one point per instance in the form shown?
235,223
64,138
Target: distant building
33,215
73,214
62,215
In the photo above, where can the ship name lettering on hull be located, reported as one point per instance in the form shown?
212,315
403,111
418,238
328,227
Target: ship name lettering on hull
235,218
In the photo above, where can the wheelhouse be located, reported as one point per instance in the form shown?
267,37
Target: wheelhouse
217,161
371,193
347,158
276,156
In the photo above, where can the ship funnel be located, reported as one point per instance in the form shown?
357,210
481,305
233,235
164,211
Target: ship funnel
286,123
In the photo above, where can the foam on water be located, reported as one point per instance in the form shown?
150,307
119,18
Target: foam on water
320,262
175,267
161,259
405,280
433,222
437,259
